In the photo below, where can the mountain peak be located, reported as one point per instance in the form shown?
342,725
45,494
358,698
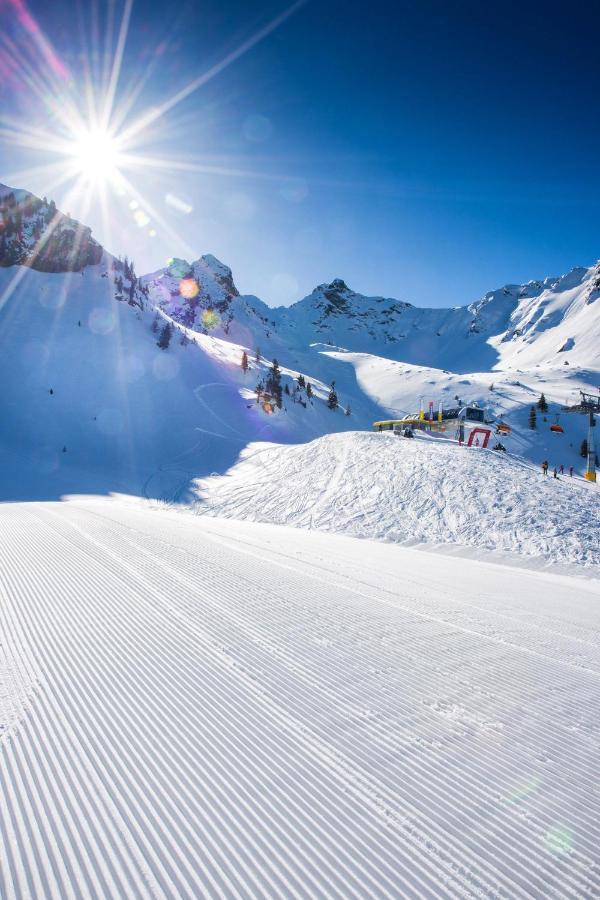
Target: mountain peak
218,270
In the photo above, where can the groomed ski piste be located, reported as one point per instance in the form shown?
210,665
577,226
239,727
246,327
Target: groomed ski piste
205,707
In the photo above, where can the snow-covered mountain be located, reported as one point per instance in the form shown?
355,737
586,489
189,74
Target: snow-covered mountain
511,327
139,380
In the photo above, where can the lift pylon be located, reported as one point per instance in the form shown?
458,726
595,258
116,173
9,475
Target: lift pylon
590,405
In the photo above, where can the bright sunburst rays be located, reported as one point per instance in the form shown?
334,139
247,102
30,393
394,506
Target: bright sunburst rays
92,135
95,155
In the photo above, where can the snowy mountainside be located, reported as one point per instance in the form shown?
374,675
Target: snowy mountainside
34,233
543,322
107,393
90,369
423,490
85,373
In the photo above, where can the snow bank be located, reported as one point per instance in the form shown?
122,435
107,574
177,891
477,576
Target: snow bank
421,491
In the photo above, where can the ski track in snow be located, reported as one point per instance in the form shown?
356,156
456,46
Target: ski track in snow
203,707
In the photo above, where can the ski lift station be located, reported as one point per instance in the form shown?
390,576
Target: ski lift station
470,423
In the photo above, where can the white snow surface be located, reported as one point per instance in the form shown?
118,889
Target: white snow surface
222,708
426,490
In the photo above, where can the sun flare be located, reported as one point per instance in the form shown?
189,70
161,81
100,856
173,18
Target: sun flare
96,155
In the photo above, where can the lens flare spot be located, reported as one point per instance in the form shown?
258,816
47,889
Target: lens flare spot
178,204
140,218
133,368
210,319
559,840
189,288
101,321
179,268
53,299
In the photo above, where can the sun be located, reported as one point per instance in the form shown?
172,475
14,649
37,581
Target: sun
95,154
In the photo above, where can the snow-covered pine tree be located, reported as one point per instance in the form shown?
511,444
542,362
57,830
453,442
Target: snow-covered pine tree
273,383
309,390
165,336
244,363
154,325
532,418
332,399
301,381
542,404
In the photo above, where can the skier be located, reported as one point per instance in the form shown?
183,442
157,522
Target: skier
545,467
562,469
555,473
570,471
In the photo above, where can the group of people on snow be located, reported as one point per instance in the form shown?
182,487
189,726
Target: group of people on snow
556,470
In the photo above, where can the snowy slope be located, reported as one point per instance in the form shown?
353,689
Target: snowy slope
131,416
92,404
424,490
226,709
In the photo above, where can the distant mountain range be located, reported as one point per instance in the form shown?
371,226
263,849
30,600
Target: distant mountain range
540,322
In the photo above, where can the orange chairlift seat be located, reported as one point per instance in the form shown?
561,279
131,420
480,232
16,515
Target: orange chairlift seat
555,427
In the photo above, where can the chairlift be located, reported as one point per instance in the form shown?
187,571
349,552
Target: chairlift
502,428
556,427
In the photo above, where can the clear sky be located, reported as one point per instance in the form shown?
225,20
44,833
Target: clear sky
429,151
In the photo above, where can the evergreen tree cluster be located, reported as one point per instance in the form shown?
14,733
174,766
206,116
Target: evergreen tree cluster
532,418
273,384
165,336
332,399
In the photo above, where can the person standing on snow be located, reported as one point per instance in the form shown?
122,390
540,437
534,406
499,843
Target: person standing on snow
545,467
570,471
562,469
555,473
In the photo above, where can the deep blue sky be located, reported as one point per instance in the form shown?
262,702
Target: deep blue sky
433,150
